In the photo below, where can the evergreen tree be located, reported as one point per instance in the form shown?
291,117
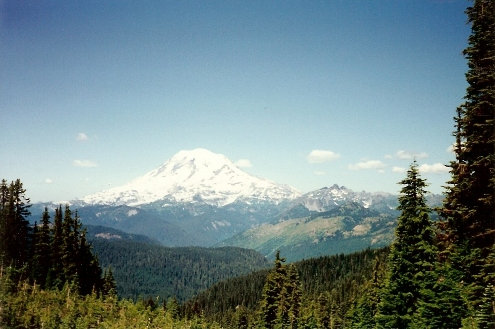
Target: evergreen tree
323,315
14,249
31,263
294,296
281,300
69,245
42,250
272,292
411,257
55,276
441,305
77,263
4,196
109,286
362,316
241,318
88,269
4,193
469,208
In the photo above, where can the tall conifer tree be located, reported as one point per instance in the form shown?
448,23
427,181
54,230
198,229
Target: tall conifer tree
469,208
56,277
15,226
42,250
281,300
4,197
293,296
411,257
87,267
272,293
70,245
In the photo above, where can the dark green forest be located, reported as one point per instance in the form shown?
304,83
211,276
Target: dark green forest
143,270
50,254
436,274
329,285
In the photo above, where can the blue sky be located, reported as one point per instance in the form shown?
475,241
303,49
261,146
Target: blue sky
306,93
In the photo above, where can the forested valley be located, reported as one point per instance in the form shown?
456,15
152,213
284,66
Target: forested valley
143,270
436,274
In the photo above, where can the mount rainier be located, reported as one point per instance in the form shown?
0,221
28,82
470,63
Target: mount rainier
195,176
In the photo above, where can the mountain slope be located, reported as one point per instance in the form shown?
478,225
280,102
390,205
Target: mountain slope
344,229
194,176
325,222
108,233
142,269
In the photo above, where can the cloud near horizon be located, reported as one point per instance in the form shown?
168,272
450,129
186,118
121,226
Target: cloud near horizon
243,163
436,168
320,156
370,164
84,163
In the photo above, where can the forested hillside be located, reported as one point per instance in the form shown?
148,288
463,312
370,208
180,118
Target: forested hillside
143,270
329,285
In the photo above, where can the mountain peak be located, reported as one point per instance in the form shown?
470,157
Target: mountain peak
197,175
199,155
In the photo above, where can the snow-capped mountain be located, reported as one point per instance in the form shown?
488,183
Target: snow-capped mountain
196,175
328,198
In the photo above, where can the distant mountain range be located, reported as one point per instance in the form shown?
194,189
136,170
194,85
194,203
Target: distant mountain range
343,229
199,198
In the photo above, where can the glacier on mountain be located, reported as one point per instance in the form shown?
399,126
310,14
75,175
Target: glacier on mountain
192,176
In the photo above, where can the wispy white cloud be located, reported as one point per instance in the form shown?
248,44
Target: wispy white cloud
320,156
398,169
436,168
48,181
405,155
81,137
243,163
450,149
84,163
370,164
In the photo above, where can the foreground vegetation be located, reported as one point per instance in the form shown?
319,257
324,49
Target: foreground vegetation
27,306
